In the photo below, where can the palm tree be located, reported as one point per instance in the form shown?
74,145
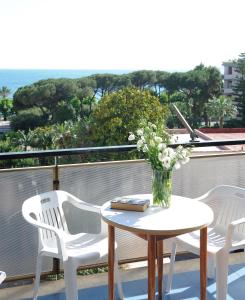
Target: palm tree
6,108
221,108
4,92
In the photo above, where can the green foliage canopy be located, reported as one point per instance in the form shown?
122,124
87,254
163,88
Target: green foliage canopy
6,108
6,105
221,108
4,92
121,112
44,94
28,119
54,96
198,85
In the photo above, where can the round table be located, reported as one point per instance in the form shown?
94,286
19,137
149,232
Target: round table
154,225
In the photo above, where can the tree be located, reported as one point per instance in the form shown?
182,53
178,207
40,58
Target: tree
221,108
199,85
23,139
239,84
121,112
64,112
4,92
6,105
45,94
159,85
6,108
28,119
105,83
174,82
184,105
143,79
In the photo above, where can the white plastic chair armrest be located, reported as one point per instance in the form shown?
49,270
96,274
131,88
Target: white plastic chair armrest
231,229
87,206
238,222
84,205
203,198
58,233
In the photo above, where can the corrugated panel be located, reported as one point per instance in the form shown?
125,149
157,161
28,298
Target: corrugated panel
97,183
18,243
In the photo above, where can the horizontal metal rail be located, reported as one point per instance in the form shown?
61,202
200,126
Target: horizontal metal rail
108,149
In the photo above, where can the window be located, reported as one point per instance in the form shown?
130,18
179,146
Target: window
229,84
229,70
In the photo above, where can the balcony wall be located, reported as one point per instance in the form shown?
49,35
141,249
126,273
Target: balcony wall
97,183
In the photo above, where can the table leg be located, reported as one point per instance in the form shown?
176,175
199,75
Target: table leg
111,259
160,267
151,266
203,262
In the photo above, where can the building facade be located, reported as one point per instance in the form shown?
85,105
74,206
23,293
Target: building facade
230,76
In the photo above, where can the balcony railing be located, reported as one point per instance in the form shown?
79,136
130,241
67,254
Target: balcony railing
97,183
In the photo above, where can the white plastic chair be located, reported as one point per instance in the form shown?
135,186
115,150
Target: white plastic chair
225,234
2,276
45,212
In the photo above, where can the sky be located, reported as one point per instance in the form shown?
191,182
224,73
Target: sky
171,35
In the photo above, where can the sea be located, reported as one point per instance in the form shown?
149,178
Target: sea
14,79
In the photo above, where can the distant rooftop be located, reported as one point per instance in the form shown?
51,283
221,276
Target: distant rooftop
216,134
226,134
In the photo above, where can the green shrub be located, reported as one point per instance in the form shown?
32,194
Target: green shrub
121,112
28,119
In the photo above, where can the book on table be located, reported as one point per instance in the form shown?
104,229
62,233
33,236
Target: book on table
130,204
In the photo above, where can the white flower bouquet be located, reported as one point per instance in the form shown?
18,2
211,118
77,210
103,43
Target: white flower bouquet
154,143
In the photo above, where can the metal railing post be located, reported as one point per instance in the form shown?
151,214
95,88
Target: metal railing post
56,185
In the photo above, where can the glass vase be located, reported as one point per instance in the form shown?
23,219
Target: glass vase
162,187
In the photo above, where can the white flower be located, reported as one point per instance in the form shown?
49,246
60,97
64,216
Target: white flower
161,156
183,153
166,162
140,131
154,146
177,165
161,146
185,160
139,144
169,152
158,139
131,137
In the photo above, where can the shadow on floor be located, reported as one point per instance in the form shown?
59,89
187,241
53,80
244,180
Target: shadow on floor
185,287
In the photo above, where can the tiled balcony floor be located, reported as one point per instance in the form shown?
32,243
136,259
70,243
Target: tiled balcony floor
94,287
186,286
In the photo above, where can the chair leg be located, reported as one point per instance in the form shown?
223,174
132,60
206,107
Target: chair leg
211,267
118,277
37,276
70,277
171,268
222,260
